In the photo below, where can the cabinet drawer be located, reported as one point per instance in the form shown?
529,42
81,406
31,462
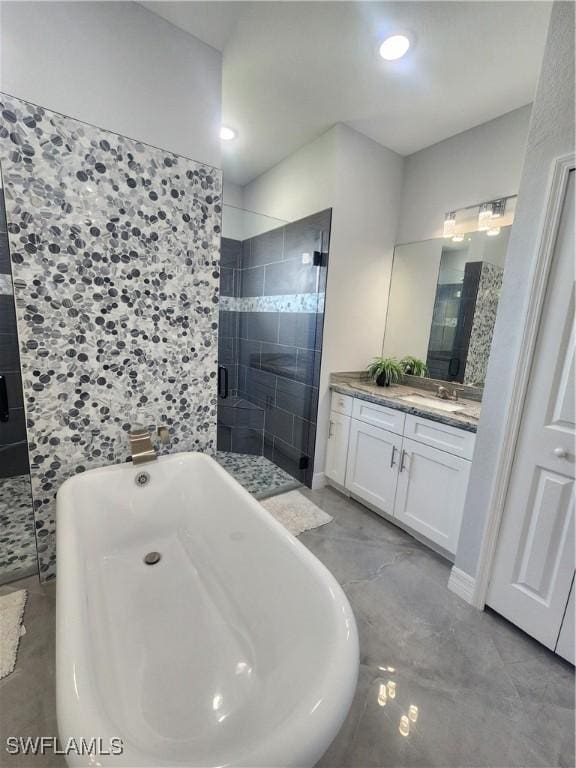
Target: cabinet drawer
342,404
441,436
378,416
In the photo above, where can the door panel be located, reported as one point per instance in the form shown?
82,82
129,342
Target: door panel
549,518
431,492
337,448
534,563
373,465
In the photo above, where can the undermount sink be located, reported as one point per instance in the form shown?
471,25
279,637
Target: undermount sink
433,402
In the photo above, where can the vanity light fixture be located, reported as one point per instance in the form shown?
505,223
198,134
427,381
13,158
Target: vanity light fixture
488,217
489,212
394,47
227,134
449,223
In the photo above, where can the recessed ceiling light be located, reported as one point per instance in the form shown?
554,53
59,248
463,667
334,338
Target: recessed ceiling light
227,134
394,47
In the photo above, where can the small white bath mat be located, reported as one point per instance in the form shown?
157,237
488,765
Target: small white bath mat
11,629
296,512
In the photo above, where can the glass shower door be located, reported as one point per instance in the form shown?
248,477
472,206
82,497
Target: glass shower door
273,278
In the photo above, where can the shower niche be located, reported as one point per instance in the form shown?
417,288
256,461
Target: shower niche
272,292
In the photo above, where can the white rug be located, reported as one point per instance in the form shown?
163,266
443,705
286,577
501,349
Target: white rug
296,512
11,629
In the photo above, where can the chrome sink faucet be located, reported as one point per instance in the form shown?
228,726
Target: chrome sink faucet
141,446
443,394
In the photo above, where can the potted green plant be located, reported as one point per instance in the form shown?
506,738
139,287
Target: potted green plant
413,366
385,371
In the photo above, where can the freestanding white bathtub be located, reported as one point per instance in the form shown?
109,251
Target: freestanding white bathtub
238,648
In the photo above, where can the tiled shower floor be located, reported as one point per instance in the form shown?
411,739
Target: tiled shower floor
257,474
17,538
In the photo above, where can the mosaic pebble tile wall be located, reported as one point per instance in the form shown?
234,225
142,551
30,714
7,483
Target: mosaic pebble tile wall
487,298
115,258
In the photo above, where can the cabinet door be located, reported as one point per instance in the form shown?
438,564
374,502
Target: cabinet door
372,470
431,490
337,448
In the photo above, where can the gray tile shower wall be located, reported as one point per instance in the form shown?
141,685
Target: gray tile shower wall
280,338
115,258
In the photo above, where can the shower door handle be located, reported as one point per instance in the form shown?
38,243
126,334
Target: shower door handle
4,409
223,381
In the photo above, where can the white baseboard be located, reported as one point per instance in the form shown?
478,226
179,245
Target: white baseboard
462,584
318,481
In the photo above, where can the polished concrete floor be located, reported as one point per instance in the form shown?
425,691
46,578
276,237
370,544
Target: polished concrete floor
480,692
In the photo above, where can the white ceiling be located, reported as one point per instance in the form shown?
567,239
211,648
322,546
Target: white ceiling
291,70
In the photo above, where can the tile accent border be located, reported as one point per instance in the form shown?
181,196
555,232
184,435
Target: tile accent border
297,302
115,256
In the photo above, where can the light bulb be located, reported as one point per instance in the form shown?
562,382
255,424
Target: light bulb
404,726
227,134
394,47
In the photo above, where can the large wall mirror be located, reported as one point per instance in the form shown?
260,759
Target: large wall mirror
443,299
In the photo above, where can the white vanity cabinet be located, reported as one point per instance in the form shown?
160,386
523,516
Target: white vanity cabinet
408,467
338,437
372,471
337,450
430,493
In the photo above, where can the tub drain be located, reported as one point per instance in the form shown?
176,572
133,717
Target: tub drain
152,558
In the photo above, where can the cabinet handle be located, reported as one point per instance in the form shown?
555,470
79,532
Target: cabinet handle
561,453
330,432
392,462
403,456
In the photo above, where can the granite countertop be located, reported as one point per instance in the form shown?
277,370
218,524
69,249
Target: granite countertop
362,388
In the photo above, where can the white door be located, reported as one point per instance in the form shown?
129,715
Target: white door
337,448
372,469
534,563
431,490
566,645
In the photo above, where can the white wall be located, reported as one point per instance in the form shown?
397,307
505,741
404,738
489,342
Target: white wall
118,66
551,136
480,164
361,181
301,184
232,194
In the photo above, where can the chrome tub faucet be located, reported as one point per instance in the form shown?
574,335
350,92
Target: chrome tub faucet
141,446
